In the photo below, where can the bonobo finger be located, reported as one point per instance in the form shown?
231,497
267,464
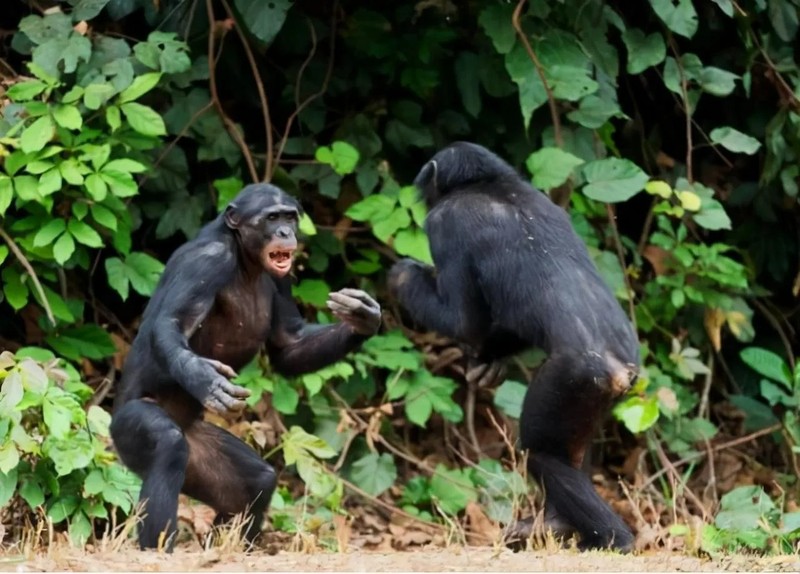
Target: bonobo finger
222,368
214,404
235,390
346,303
362,296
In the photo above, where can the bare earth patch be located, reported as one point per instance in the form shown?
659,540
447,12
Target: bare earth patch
438,560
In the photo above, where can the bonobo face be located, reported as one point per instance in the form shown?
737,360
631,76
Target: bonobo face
265,220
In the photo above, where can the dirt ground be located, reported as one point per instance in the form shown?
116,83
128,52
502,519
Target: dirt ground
433,560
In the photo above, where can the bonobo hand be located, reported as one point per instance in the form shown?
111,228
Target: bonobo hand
357,309
223,396
401,272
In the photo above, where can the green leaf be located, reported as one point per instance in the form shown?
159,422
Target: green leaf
643,51
48,233
263,19
68,117
452,489
312,291
767,364
341,156
24,91
87,9
32,493
84,234
717,82
62,508
71,171
50,182
412,242
96,95
784,19
6,193
96,186
612,180
681,19
104,216
594,111
8,480
371,208
121,183
57,410
140,86
284,397
113,118
144,119
551,167
637,413
734,140
712,216
15,290
532,94
37,135
87,341
374,473
299,444
509,397
63,248
757,415
118,276
144,272
495,20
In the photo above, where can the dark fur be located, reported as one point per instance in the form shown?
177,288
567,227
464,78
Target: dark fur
511,273
215,301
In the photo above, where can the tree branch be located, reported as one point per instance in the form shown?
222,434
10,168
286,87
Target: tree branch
27,265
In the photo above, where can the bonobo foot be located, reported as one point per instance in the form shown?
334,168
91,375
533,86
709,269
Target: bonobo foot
518,533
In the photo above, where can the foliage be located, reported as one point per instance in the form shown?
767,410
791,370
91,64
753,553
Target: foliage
54,453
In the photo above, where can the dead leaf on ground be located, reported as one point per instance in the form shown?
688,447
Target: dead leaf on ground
482,530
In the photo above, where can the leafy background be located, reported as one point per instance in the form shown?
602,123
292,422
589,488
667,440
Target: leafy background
668,130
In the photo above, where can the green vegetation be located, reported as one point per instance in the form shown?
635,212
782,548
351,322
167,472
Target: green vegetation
667,128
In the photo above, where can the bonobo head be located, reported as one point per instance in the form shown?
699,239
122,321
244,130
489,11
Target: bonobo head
264,219
457,166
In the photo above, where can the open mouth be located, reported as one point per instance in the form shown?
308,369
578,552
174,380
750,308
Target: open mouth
280,259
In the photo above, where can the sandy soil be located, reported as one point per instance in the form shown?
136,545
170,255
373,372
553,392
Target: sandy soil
458,559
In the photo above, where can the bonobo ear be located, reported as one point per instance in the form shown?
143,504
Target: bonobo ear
426,175
232,218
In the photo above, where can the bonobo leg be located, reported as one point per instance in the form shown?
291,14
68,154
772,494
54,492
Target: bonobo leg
228,475
153,446
564,403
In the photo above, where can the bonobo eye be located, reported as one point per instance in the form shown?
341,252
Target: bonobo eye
291,216
272,217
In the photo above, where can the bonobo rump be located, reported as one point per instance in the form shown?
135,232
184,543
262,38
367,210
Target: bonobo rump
223,296
511,273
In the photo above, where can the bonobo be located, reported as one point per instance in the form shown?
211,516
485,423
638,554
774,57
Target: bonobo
222,296
510,273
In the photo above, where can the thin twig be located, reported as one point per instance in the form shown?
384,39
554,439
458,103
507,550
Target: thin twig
262,96
212,82
726,445
621,256
300,106
687,110
540,70
27,265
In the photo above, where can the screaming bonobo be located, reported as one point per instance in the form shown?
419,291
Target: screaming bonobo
222,296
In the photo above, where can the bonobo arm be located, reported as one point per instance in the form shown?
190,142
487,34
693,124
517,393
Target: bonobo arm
186,292
296,347
447,298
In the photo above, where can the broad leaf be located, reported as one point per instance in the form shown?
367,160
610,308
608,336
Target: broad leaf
767,364
612,180
139,87
143,119
681,19
734,140
76,343
263,19
643,51
551,166
374,473
35,136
